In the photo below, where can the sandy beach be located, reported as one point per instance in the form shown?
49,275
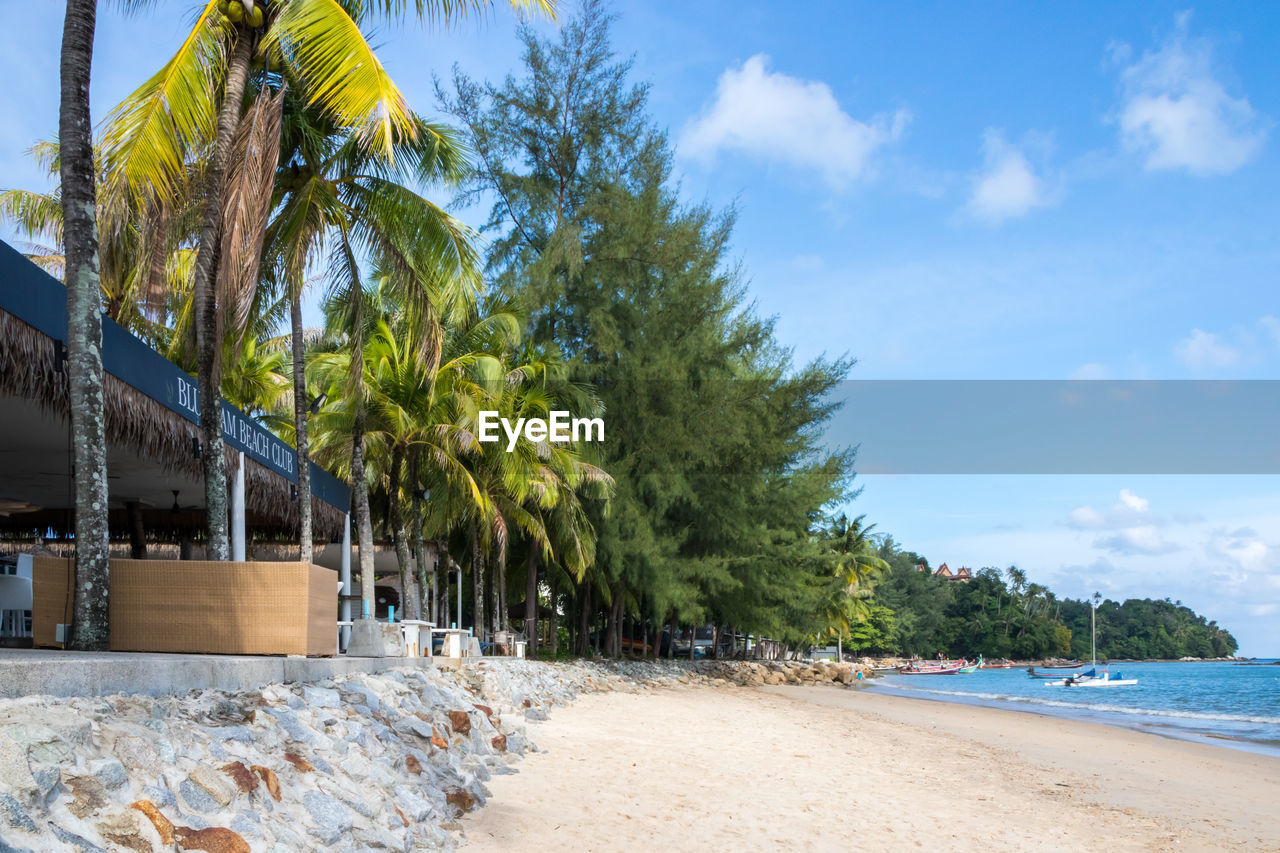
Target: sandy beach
820,768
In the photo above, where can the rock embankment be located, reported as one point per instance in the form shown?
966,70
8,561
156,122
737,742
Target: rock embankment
363,762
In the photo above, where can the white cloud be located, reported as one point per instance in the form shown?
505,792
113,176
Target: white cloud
772,116
1008,186
1177,115
1086,518
1142,539
1092,370
1131,528
1129,511
1134,502
1243,548
1203,350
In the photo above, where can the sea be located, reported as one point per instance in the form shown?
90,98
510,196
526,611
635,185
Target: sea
1220,702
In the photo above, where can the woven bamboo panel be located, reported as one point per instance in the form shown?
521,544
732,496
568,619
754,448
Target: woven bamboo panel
204,607
322,609
50,605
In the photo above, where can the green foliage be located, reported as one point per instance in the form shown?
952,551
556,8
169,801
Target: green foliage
711,431
1146,628
1002,615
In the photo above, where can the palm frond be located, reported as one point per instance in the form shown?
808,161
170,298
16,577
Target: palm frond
147,140
339,70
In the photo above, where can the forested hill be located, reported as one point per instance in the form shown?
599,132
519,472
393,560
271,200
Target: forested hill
1000,614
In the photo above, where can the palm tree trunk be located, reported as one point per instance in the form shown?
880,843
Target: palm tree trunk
501,618
612,646
400,533
554,623
425,611
531,600
301,409
584,620
208,340
90,630
364,523
440,592
477,585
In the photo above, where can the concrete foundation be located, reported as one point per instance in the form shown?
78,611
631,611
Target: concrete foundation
27,672
373,639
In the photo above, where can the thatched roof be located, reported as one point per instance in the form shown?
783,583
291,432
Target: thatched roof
29,370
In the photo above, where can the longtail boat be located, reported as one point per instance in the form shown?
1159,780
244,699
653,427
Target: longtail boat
932,670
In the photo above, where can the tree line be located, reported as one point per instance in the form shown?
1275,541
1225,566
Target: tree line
1001,614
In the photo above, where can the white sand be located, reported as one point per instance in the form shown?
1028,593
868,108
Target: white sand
820,768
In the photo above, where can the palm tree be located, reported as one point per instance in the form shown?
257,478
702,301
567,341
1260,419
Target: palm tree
334,195
143,263
90,629
856,566
179,114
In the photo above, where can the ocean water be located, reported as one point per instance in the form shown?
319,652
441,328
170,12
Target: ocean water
1219,702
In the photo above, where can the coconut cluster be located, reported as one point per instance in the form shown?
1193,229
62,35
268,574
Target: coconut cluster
243,11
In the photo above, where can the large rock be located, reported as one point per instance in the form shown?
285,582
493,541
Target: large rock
135,752
12,814
460,722
215,839
196,797
162,825
331,817
109,771
87,796
42,743
15,772
215,784
242,776
131,830
321,697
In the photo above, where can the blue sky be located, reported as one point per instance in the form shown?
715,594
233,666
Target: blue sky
995,190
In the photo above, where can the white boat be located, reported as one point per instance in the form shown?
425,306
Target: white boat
1106,679
1091,678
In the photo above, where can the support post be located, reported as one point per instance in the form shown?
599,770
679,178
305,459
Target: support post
137,535
237,513
344,575
459,596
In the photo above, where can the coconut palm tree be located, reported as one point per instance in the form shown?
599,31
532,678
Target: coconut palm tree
336,196
90,629
142,261
194,108
856,566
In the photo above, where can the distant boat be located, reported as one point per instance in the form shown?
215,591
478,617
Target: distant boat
931,670
1091,678
1085,680
1076,678
1006,665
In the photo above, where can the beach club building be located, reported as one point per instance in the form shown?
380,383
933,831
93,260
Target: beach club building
162,597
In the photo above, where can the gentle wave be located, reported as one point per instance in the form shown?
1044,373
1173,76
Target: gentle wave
1088,706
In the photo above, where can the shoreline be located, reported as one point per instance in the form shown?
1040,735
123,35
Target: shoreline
806,767
1113,717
